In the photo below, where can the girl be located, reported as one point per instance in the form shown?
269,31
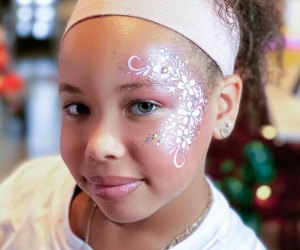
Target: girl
144,87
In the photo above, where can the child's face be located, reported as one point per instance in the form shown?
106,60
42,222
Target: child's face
136,123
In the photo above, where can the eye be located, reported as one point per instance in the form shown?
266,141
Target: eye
143,107
76,109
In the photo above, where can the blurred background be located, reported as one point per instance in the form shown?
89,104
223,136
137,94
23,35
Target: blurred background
258,169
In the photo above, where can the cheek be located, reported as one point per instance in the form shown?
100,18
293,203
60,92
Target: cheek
71,147
147,153
65,150
156,159
165,180
154,155
177,133
64,138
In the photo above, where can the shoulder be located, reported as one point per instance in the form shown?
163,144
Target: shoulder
33,178
222,229
34,199
232,232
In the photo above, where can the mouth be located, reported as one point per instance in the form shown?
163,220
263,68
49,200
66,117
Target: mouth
113,188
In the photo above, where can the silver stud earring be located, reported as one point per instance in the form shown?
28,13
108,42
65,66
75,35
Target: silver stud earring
225,131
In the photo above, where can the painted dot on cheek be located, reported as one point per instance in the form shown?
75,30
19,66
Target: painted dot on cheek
148,139
156,136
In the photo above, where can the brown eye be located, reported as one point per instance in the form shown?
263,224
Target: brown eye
77,109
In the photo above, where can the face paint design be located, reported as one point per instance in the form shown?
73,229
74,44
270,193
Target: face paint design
179,130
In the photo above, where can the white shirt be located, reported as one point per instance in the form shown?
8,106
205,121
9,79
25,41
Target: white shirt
34,214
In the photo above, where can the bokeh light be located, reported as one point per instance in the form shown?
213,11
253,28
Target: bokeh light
268,132
45,13
264,192
24,14
23,29
41,30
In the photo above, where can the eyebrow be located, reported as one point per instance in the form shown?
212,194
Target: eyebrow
66,87
137,85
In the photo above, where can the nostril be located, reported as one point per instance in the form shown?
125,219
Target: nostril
110,157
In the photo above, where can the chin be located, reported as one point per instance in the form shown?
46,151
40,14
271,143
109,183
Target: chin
125,214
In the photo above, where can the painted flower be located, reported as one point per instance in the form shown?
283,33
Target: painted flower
187,86
189,114
184,138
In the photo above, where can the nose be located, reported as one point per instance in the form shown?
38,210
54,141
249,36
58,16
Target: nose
105,144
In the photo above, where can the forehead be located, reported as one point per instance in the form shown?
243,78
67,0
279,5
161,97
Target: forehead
122,35
98,49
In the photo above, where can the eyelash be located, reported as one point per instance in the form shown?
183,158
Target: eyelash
134,108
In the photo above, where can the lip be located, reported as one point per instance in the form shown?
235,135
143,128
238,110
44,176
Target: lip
112,188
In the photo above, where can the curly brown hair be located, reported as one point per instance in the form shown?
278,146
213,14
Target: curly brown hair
260,22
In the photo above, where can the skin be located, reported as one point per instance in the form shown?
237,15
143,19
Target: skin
102,134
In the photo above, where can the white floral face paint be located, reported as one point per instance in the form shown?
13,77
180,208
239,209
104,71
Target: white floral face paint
179,130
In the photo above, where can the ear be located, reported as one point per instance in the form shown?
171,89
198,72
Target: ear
228,101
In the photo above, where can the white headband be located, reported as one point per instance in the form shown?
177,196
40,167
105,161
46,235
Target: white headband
197,20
